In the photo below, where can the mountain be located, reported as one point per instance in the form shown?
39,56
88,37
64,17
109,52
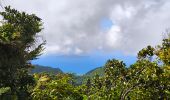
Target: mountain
40,69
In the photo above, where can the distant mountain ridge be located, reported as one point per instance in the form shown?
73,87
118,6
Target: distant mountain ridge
47,69
40,69
79,78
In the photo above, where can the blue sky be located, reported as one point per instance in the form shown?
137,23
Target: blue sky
82,64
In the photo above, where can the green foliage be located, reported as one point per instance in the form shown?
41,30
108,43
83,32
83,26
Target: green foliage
55,87
4,90
147,52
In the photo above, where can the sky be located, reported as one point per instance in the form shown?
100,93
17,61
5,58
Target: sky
84,34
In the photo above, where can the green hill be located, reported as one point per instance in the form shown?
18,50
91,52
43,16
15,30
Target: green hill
93,72
90,74
41,69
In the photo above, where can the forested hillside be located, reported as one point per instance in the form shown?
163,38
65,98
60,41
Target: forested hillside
98,70
147,79
45,69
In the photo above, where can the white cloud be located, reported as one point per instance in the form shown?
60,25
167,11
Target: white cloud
73,26
78,51
113,37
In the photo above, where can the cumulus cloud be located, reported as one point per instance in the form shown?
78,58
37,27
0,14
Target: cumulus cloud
73,26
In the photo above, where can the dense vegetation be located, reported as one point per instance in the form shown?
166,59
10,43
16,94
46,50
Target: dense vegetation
147,79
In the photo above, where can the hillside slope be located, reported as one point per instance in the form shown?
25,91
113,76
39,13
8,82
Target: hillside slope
40,69
89,75
93,72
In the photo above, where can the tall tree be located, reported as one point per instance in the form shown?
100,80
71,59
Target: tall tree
18,46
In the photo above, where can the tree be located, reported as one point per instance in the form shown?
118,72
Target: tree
18,46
